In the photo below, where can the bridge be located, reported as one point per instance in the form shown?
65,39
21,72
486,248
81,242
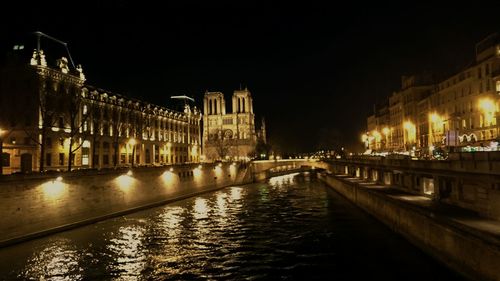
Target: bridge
263,169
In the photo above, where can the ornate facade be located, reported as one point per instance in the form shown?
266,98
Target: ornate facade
228,135
49,113
459,112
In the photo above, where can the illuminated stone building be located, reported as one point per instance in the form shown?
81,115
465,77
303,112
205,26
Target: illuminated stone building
46,111
459,111
228,135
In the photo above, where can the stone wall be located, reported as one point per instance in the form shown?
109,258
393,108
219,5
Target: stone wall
31,206
475,255
470,181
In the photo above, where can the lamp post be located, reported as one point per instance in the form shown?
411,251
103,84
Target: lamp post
411,133
435,126
377,137
365,140
386,131
488,108
1,151
132,142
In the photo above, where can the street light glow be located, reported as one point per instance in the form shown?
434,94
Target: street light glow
487,105
435,118
386,131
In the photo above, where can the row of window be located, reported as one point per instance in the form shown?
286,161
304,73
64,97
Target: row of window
482,70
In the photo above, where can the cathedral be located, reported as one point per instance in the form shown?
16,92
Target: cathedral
229,135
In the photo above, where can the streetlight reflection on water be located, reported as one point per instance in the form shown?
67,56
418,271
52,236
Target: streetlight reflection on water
282,180
57,259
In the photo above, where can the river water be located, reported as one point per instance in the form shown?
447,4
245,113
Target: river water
290,228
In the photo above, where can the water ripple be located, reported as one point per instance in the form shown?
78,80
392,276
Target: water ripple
291,228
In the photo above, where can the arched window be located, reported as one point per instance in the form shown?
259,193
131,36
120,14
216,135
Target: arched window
243,105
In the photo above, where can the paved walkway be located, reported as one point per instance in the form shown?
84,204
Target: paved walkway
466,219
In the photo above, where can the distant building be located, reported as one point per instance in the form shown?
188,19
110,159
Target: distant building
460,111
47,110
229,135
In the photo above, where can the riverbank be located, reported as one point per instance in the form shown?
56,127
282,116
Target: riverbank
457,237
33,206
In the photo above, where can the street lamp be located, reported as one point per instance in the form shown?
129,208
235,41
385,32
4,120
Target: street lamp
411,132
132,142
435,121
377,137
365,139
386,131
1,151
487,106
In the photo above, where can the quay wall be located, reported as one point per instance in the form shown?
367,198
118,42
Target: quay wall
475,255
36,205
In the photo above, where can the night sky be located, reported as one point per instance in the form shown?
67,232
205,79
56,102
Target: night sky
310,68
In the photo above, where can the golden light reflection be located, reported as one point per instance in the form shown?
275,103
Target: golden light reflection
129,253
218,171
168,177
232,169
57,261
236,193
221,204
282,180
54,189
170,221
197,173
125,182
200,208
264,193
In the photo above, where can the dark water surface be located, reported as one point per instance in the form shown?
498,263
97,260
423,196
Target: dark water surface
291,228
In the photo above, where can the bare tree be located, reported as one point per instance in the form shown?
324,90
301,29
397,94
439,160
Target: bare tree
49,105
96,129
119,126
76,120
222,143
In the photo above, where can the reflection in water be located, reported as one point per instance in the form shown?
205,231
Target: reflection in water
289,228
58,260
200,209
282,180
264,192
221,204
236,193
128,253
